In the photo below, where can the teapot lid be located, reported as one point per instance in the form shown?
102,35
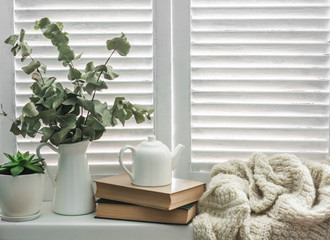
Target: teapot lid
151,138
152,142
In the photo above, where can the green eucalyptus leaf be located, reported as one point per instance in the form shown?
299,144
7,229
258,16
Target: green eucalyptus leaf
57,103
65,53
25,50
48,103
11,40
78,56
46,133
59,87
50,91
31,126
48,116
31,67
106,118
50,81
60,25
35,99
86,104
97,86
80,121
63,133
94,123
37,78
24,129
110,74
42,23
101,68
120,44
129,114
99,107
118,100
21,35
140,108
78,89
14,128
43,67
59,137
98,134
91,77
139,118
150,111
121,116
69,120
15,49
70,101
49,30
74,74
35,87
88,132
77,135
89,67
58,37
30,110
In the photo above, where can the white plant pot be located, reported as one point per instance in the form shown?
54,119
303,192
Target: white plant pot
21,196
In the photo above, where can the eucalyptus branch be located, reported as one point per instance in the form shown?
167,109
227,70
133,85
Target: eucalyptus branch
62,110
102,72
38,71
98,78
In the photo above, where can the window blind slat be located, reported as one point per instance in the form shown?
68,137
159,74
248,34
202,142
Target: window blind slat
259,79
89,25
254,3
83,4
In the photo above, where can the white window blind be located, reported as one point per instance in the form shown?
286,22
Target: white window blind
90,24
259,79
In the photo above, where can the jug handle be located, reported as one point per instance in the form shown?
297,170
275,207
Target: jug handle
121,162
44,162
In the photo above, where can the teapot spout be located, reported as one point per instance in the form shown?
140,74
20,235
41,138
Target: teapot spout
175,155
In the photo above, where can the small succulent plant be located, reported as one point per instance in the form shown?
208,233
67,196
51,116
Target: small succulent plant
21,164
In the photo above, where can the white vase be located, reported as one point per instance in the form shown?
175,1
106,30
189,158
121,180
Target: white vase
74,193
21,196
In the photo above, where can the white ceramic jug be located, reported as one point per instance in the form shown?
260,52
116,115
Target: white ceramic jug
152,162
74,193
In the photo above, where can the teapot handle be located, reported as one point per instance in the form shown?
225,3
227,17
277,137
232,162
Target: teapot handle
121,162
44,162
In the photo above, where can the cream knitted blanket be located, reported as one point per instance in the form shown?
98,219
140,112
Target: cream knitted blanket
277,197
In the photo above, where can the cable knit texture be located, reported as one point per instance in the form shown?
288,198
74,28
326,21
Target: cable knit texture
277,197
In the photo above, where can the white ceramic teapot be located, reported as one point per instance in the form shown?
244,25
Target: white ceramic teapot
152,162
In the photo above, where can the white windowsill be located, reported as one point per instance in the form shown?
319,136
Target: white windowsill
52,226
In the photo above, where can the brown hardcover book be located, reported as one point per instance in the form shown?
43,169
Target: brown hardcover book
126,211
179,193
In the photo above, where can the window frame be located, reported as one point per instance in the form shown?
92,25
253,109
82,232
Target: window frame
182,89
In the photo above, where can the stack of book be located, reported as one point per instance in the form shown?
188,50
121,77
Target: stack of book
174,203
